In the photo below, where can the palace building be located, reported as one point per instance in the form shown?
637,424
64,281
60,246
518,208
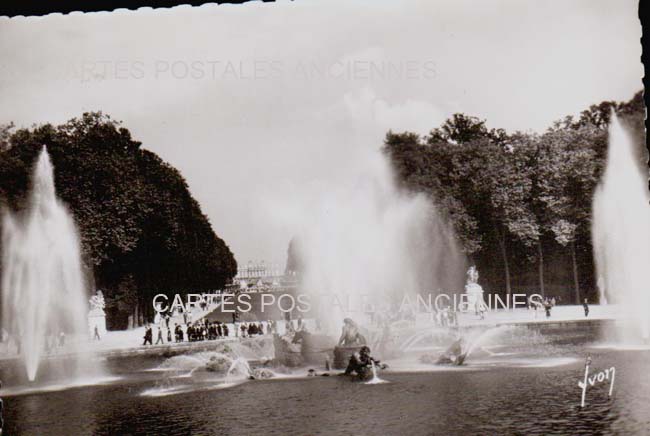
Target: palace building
263,277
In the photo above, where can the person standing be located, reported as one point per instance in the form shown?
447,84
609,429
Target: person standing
97,338
547,307
160,336
148,335
585,305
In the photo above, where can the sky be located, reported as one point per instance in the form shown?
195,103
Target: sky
262,106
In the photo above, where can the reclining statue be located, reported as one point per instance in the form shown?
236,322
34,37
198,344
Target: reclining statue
455,355
361,364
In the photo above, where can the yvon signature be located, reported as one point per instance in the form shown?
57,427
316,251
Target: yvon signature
590,380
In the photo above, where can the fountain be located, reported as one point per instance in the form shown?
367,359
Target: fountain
232,361
375,380
602,293
43,291
366,244
621,234
239,370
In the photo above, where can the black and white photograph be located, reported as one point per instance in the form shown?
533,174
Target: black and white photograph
311,217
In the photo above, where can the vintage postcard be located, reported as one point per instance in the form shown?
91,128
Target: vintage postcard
321,217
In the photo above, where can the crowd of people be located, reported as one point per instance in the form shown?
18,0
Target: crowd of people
253,329
203,330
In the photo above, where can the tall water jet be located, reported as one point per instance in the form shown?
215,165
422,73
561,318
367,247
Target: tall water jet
358,236
366,245
621,233
43,291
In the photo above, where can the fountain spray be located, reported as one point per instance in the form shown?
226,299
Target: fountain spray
43,289
621,233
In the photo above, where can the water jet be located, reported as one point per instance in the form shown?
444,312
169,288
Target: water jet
621,234
43,289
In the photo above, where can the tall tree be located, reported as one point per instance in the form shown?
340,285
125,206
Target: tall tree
516,196
142,233
570,178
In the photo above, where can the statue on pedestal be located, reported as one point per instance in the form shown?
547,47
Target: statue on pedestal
96,315
474,292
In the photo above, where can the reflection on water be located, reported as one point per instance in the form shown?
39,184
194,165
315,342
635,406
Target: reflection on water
163,391
58,386
501,390
622,346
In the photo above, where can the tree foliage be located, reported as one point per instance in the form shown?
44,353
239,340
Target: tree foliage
142,232
517,198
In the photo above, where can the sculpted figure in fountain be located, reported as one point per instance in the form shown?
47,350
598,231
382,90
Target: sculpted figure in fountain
474,291
455,355
96,315
349,343
350,334
363,365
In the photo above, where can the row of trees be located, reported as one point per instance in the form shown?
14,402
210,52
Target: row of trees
518,199
141,230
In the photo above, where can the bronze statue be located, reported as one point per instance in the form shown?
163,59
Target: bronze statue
361,364
350,334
